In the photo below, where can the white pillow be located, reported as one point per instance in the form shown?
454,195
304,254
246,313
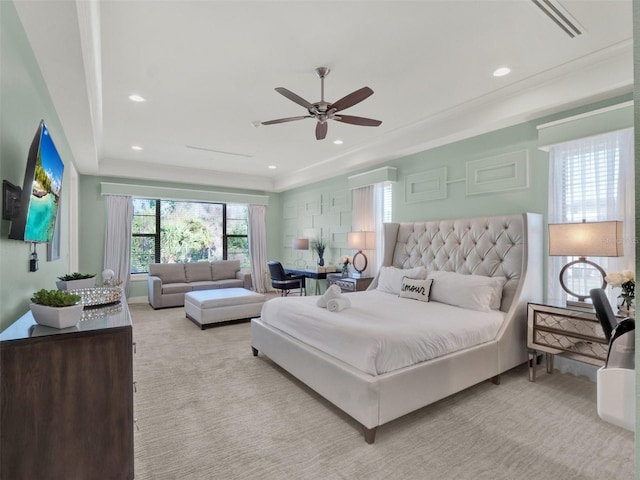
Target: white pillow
390,278
476,292
415,289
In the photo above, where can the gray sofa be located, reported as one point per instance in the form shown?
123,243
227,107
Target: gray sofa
168,282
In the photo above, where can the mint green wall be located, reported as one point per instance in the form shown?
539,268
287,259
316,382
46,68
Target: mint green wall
93,218
320,208
24,101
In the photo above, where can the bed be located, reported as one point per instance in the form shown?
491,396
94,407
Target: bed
374,386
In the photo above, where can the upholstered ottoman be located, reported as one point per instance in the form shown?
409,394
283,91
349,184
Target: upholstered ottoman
205,307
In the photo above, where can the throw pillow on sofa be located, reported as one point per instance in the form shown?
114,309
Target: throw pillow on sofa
198,271
168,272
224,269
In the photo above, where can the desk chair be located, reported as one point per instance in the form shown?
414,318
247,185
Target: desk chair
284,282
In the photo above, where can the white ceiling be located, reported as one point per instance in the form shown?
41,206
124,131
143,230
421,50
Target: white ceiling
208,69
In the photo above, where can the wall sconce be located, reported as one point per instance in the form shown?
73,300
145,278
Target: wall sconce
586,239
363,240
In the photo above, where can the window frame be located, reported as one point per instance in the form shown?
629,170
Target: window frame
157,236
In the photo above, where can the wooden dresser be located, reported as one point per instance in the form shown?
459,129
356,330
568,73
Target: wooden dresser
66,408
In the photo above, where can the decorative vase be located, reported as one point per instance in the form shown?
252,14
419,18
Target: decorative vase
626,307
345,270
321,262
56,317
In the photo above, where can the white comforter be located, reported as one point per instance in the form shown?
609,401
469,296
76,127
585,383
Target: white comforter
382,332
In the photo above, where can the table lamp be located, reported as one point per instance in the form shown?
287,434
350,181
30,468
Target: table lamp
586,239
363,240
300,244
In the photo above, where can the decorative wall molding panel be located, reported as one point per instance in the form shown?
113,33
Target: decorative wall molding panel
425,186
290,209
339,201
509,171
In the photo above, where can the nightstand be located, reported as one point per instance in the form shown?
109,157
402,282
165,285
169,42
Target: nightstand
348,284
557,329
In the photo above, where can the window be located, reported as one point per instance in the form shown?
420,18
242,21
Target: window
168,231
387,202
592,179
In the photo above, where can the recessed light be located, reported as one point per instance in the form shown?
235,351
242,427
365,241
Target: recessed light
137,98
272,167
136,147
338,142
501,72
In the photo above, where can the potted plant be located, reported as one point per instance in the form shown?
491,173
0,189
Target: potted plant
76,280
320,246
56,308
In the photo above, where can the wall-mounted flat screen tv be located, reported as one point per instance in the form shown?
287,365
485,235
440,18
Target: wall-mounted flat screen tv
40,198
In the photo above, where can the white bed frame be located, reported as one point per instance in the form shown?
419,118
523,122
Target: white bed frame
508,246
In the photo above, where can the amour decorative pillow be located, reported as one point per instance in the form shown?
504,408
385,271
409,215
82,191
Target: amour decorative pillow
475,292
416,289
390,278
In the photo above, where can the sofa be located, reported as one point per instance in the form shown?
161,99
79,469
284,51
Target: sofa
168,282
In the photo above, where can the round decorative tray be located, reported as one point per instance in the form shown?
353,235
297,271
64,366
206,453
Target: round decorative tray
98,296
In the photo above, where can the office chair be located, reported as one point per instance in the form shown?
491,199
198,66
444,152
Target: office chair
283,281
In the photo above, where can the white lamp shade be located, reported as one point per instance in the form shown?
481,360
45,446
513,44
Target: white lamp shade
586,239
300,244
364,240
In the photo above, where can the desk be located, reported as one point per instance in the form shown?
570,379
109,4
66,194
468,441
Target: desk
308,274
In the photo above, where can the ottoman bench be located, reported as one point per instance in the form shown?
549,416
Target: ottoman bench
206,307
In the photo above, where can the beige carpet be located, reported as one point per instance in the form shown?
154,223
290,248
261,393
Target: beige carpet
207,409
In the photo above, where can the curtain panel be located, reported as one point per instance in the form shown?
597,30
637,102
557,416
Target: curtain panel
117,241
258,246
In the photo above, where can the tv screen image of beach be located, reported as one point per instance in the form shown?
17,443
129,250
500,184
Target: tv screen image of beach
45,191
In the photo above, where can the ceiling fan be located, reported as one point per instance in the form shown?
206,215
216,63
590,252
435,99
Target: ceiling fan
323,111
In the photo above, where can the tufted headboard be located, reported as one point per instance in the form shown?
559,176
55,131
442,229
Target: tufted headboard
492,246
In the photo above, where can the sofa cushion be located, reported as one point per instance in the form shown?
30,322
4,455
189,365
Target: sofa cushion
168,272
176,288
224,269
229,283
209,285
198,271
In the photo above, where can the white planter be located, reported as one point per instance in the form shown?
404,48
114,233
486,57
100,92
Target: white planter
56,317
75,284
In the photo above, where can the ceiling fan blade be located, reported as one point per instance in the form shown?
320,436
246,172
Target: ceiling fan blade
351,99
294,98
321,130
365,122
283,120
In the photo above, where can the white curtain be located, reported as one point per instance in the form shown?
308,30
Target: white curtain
117,238
368,209
258,246
593,179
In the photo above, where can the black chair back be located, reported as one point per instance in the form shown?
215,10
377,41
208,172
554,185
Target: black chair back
603,311
276,270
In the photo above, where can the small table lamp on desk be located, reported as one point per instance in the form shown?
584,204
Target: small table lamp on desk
300,244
